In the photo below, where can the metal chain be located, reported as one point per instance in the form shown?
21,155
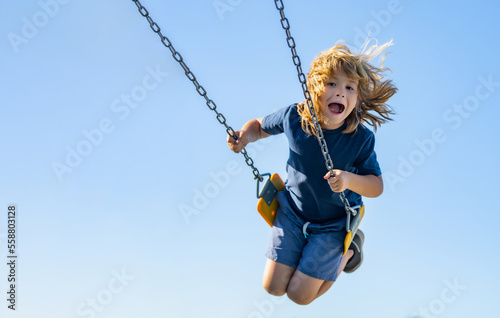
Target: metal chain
302,78
211,105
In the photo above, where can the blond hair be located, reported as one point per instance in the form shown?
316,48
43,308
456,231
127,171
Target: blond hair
373,90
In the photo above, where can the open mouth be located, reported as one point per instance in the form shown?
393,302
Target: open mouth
336,108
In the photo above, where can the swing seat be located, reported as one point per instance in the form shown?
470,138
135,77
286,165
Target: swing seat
352,227
268,204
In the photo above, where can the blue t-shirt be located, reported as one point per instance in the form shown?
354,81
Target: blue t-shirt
309,194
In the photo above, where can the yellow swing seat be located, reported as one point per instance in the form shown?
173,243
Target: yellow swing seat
352,226
268,204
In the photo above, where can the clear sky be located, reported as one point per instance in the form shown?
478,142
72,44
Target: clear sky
130,203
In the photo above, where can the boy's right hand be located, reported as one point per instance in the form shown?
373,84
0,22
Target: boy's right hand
237,145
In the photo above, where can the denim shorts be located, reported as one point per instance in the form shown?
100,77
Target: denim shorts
306,247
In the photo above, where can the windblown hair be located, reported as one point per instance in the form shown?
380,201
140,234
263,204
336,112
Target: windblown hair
373,90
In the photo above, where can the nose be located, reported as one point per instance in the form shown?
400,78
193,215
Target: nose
339,91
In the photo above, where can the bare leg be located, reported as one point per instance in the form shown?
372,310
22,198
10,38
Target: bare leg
276,277
302,289
344,261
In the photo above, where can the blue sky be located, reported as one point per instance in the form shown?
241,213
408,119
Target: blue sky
105,146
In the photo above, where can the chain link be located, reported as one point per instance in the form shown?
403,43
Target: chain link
201,91
302,78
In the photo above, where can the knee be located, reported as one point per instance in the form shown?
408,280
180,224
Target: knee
274,290
300,298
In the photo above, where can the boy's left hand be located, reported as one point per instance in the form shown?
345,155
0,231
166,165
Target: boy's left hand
338,182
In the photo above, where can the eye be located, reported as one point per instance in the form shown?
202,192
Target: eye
331,84
350,88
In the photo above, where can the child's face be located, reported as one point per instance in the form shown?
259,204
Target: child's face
338,100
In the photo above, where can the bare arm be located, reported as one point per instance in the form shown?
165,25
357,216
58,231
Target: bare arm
370,186
250,132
